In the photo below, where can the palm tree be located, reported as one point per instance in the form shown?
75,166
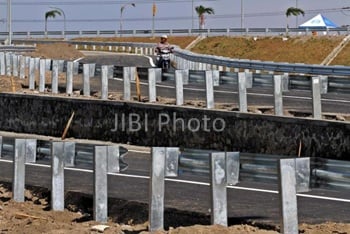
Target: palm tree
201,10
50,14
294,11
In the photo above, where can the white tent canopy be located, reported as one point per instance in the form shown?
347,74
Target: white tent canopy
318,22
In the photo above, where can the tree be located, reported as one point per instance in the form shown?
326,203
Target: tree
201,11
294,11
50,14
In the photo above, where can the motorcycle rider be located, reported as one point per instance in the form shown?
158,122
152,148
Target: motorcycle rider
163,44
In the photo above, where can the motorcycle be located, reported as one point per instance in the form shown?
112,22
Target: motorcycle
163,58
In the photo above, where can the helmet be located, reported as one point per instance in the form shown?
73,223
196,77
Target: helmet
164,36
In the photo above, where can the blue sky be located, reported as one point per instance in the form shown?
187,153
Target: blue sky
28,15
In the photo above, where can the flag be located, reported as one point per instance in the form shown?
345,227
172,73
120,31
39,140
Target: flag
154,9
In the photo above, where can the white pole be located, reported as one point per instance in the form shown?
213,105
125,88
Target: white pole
9,21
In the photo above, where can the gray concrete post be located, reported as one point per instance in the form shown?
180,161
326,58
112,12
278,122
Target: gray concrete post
110,71
218,189
277,94
104,82
113,159
2,64
128,72
8,61
152,89
42,71
22,67
86,80
179,87
100,184
157,186
19,170
57,176
242,92
37,63
54,76
288,198
15,60
316,98
31,79
209,87
69,78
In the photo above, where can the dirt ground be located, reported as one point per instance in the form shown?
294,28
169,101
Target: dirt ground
34,215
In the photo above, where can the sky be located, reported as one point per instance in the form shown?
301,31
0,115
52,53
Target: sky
29,15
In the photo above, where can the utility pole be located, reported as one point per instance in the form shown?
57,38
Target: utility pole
9,22
242,14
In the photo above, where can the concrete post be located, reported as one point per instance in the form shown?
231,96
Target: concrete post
8,61
42,71
86,80
69,78
19,170
22,67
179,74
32,74
47,64
69,153
128,72
2,64
100,184
15,59
209,89
302,173
288,198
316,98
156,203
218,189
57,174
278,96
324,84
242,92
54,76
152,89
61,65
104,82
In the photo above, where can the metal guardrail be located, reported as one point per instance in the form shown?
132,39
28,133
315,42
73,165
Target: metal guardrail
187,31
17,48
325,173
82,153
183,57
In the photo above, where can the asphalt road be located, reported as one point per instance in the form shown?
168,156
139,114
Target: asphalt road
262,98
249,201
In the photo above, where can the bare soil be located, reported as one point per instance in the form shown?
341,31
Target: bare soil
34,215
